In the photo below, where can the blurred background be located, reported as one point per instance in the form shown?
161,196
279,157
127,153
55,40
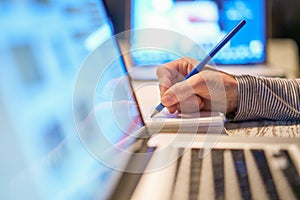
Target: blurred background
283,17
42,44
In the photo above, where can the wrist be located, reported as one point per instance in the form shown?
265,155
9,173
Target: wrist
231,88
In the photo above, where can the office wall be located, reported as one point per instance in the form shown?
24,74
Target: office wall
286,19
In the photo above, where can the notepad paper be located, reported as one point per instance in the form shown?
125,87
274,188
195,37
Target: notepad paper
201,122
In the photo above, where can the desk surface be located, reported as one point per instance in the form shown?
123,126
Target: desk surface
147,93
264,128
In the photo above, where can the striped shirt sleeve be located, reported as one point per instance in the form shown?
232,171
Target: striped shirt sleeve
267,98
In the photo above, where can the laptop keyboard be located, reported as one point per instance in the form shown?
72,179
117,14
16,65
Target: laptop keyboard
241,171
195,174
236,174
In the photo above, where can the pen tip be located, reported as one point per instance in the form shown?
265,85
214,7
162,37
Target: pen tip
155,112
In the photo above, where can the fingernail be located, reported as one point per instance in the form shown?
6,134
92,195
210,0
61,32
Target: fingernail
167,99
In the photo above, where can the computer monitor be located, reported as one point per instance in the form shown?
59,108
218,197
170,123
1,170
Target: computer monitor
205,22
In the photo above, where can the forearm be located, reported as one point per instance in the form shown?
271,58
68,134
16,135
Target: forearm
267,98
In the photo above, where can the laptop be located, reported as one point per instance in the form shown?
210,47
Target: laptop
115,157
203,22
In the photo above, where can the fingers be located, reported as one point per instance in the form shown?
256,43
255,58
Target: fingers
178,92
173,72
207,86
165,77
191,104
211,88
181,91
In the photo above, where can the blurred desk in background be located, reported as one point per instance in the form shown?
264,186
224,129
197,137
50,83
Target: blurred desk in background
283,53
282,61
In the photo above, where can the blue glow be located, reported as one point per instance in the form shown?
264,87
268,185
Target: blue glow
206,22
42,45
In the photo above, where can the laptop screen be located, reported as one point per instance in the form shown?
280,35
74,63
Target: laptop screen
206,22
106,114
43,45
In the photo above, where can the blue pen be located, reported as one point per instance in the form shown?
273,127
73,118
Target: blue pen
207,58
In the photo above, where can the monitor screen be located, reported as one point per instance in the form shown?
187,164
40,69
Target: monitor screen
207,22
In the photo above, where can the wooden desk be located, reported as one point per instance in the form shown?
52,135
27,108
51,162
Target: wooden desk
147,93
